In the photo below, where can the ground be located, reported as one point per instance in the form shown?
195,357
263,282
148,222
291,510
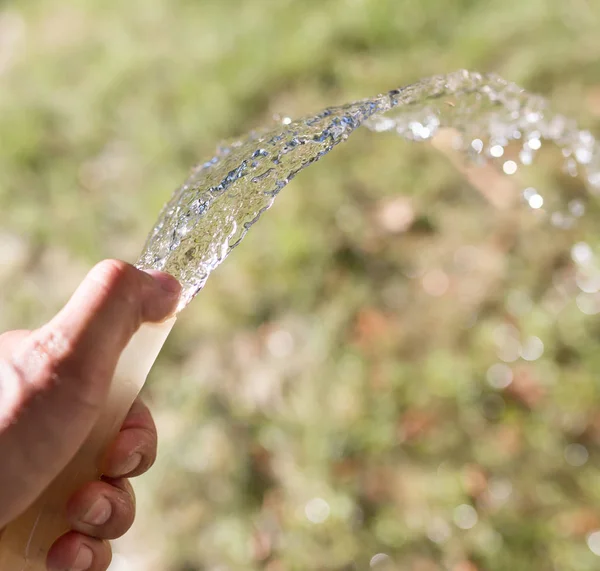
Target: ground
320,405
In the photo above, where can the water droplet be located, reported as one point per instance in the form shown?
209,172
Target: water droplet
518,303
477,145
396,215
534,144
576,455
581,253
594,179
438,531
583,155
571,168
593,542
381,124
497,151
499,376
500,489
588,280
526,157
535,201
533,116
577,208
436,282
280,343
419,131
317,510
586,138
509,167
588,304
465,516
379,559
532,349
559,220
509,351
505,331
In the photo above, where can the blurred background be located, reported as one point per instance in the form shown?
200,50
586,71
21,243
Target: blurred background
376,378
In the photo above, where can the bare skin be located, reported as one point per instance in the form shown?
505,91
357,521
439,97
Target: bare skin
53,383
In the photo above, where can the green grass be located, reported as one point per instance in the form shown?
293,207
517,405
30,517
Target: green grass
378,404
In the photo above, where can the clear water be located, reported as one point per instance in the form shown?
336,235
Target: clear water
490,119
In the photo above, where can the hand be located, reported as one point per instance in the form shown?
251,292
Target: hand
53,384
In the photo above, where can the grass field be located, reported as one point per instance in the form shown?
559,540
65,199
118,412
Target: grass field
316,406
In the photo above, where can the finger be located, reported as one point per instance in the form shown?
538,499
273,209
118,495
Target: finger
134,449
104,509
55,383
107,308
77,552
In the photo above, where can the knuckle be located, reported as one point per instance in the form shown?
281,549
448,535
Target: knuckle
49,345
48,359
55,355
115,277
41,365
32,370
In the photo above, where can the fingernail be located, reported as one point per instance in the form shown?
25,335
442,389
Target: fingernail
83,560
99,513
129,465
166,281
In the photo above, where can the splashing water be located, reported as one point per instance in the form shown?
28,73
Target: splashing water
212,212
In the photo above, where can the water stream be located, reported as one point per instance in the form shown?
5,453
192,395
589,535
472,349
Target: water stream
491,121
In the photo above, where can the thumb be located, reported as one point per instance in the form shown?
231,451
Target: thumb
106,309
53,385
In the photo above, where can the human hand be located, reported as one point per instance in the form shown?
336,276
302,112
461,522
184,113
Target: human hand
53,384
